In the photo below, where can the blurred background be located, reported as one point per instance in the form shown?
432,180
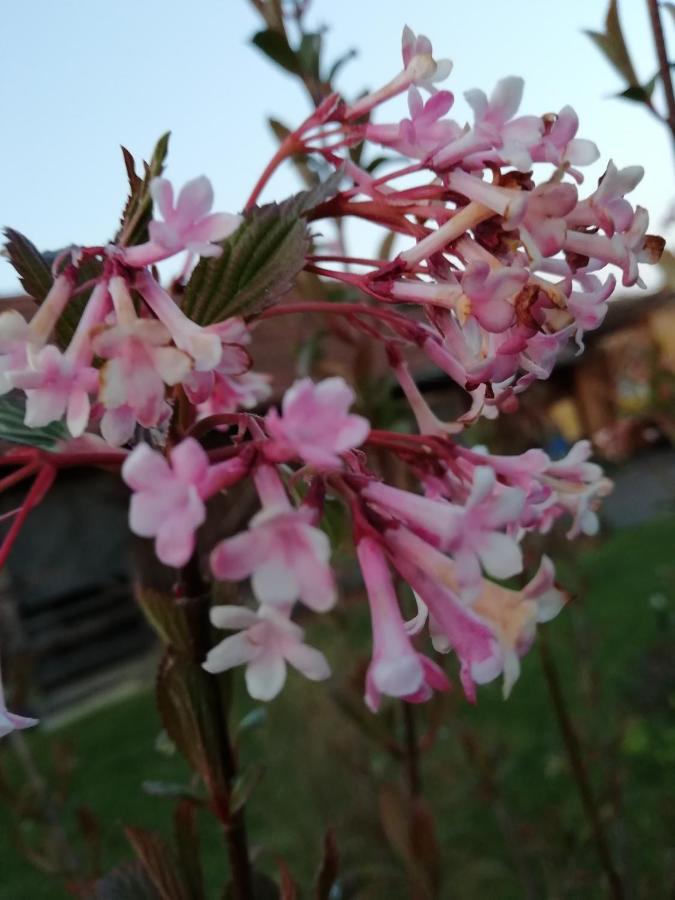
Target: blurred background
77,80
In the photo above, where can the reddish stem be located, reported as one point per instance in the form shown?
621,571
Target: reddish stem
290,145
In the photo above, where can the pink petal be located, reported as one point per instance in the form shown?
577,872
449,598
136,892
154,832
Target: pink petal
500,555
236,558
233,651
194,200
144,468
233,617
275,581
117,425
312,663
175,541
189,461
79,408
161,192
265,676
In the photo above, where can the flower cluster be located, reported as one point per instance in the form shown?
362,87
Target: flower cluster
501,268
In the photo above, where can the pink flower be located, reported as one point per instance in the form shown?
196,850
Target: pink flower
607,206
10,721
490,293
425,130
267,640
560,146
624,249
17,335
420,69
420,65
285,557
315,423
204,346
589,305
453,625
579,486
514,615
234,360
168,498
494,128
13,346
471,533
187,224
396,669
140,365
491,635
56,384
233,392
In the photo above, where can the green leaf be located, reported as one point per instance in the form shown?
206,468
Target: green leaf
258,265
184,700
640,93
613,45
243,787
170,789
30,265
166,617
309,53
34,270
339,63
255,718
138,209
276,47
259,262
12,428
305,202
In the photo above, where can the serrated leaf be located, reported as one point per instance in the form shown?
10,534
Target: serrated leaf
30,265
612,44
126,882
276,47
138,209
34,270
12,428
258,265
305,202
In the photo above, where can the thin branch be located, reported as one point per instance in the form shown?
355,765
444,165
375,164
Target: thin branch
578,766
664,64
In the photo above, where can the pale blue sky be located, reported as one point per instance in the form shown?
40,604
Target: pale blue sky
80,77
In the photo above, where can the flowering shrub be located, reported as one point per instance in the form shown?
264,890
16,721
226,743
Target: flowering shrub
504,261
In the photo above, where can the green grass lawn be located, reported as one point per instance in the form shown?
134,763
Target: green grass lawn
508,817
